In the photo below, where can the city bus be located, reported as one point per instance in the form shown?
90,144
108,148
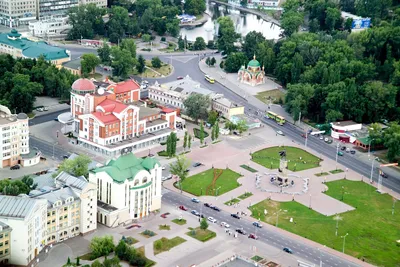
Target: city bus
279,119
209,79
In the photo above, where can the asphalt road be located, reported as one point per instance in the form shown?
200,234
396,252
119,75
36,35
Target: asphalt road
46,117
48,149
305,252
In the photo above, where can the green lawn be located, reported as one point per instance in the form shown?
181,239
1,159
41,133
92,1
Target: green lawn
269,158
337,171
245,195
273,96
164,227
232,202
149,262
196,133
248,168
180,222
227,181
372,228
201,235
165,244
256,258
321,174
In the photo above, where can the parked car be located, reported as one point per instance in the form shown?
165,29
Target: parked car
234,215
45,109
353,151
216,208
164,215
280,133
39,109
384,175
56,119
348,150
340,153
65,157
211,219
163,167
343,148
43,158
133,226
195,200
241,231
253,236
207,205
15,167
195,212
303,135
179,77
224,224
257,224
197,164
288,250
181,207
321,138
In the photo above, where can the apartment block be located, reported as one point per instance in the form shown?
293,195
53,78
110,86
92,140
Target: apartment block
5,247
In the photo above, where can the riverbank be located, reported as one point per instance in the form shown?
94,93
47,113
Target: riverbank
196,23
250,11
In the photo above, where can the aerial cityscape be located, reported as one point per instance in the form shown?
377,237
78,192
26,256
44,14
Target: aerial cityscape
199,133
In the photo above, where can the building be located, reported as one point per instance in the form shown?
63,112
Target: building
48,27
5,242
14,140
18,12
13,44
55,7
71,207
252,75
74,66
99,3
227,108
359,23
250,122
128,188
27,217
346,131
108,121
263,3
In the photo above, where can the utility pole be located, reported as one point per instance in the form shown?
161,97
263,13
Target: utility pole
344,240
337,153
372,170
299,117
306,138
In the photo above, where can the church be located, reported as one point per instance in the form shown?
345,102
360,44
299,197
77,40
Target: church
252,75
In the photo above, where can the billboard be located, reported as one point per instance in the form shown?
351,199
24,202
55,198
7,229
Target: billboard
361,23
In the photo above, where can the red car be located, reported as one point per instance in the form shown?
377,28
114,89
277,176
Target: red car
165,215
253,236
179,78
304,136
181,207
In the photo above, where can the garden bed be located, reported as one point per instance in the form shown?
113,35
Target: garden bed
201,235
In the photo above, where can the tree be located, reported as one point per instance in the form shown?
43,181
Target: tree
392,141
235,61
375,133
196,106
213,134
213,61
201,134
76,167
181,43
78,261
291,21
241,126
104,53
156,62
185,140
158,244
173,27
89,63
179,168
122,61
28,180
97,263
199,44
227,35
113,262
195,7
333,16
23,94
141,64
146,38
129,44
216,130
208,61
171,144
68,261
101,246
86,21
120,249
203,224
189,141
251,41
212,117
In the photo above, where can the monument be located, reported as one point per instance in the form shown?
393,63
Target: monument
282,177
252,75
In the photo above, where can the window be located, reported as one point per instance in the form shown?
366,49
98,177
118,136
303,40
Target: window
65,208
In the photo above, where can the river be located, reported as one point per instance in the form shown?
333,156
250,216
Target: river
244,23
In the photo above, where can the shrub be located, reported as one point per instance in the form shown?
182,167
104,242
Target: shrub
158,244
163,39
163,153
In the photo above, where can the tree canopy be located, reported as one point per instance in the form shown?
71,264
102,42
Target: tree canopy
196,106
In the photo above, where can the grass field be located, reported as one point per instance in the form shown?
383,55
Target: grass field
372,228
165,70
201,235
164,227
245,195
322,174
269,158
337,171
165,244
232,202
149,262
180,222
274,95
197,184
248,168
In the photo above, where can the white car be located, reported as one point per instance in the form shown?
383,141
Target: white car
211,219
163,168
224,224
45,109
280,132
321,138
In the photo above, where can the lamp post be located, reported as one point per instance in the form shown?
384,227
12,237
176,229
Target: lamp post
372,170
337,152
310,202
216,191
344,240
369,147
337,218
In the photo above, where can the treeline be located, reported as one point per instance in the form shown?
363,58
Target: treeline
126,18
21,80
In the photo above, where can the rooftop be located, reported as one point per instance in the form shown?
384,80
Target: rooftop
226,102
105,206
4,226
185,87
33,152
344,123
142,137
126,167
74,64
65,178
155,122
124,86
145,112
16,207
58,194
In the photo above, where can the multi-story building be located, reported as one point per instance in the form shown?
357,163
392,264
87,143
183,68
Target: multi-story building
14,140
27,217
71,207
127,188
5,240
14,44
55,7
227,108
108,121
17,12
48,27
99,3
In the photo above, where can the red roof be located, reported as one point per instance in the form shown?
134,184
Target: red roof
83,85
122,87
112,106
168,110
106,119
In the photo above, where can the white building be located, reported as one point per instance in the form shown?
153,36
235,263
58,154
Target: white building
71,207
27,217
14,140
50,27
345,131
17,12
128,188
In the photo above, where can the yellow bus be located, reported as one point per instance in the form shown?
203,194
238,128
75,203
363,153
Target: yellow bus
279,119
209,79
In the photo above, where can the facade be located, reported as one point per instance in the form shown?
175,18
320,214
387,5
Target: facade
71,207
227,108
108,121
345,131
252,75
27,217
74,66
14,140
13,44
50,27
55,7
128,188
99,3
5,243
18,12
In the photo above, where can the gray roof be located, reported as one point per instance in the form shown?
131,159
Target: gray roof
92,165
75,182
4,226
17,207
226,102
22,116
146,112
74,64
106,206
44,180
57,194
186,87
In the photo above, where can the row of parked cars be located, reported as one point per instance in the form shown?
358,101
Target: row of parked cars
42,109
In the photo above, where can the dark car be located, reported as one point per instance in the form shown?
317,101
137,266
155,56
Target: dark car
304,136
216,208
133,226
384,175
207,205
288,250
197,164
234,215
343,148
241,231
43,158
257,224
253,236
65,157
15,167
179,78
195,212
353,152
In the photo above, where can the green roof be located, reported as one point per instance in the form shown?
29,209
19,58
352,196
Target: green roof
32,49
254,63
126,167
364,140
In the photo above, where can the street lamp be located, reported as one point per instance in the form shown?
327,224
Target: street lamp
372,170
216,191
337,152
369,147
337,218
310,202
344,240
